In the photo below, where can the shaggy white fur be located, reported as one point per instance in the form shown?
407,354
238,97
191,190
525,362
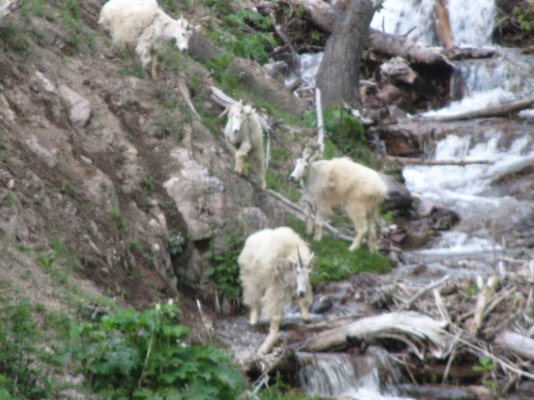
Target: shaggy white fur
244,134
143,25
274,269
341,184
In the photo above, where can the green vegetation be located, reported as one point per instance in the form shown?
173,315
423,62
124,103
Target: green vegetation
145,355
245,33
344,130
280,391
175,243
119,220
224,272
15,37
335,262
525,17
77,35
23,367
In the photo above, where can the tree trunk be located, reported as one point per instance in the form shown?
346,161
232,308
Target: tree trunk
442,25
338,77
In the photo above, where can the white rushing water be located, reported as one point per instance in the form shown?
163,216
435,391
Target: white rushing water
471,21
342,376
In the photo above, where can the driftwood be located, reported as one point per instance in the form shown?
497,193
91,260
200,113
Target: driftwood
489,112
187,97
486,291
436,334
409,327
516,343
419,161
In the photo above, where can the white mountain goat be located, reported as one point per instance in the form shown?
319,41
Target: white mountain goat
143,25
244,134
274,269
340,184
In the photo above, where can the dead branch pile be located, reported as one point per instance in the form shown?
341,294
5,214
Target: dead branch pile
462,330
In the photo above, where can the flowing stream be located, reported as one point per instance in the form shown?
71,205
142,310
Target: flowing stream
487,215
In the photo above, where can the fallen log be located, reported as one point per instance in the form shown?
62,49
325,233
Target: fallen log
404,326
419,161
489,112
324,16
516,343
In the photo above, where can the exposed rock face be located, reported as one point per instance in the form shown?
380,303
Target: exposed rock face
198,196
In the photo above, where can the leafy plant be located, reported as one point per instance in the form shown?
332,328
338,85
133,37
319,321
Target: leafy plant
22,376
175,243
144,355
224,271
524,16
118,219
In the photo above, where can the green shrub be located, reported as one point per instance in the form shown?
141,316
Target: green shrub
335,262
344,129
224,272
22,371
144,355
14,37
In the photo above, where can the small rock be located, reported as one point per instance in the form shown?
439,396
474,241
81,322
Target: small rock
11,184
40,82
41,151
322,305
77,107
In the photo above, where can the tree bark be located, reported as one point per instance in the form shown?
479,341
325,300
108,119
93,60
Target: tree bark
442,25
338,77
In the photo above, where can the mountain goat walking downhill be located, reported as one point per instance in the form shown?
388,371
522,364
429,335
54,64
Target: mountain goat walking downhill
340,184
144,26
244,134
275,266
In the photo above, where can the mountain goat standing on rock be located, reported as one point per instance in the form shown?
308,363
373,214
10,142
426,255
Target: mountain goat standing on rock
342,184
143,25
244,133
274,269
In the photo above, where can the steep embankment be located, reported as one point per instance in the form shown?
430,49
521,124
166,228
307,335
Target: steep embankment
87,146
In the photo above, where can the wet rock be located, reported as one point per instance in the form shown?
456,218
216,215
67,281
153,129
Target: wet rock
77,107
322,305
436,392
339,291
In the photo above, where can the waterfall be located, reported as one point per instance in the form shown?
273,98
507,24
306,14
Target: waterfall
344,376
472,22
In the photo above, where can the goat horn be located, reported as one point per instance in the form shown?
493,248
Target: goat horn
301,264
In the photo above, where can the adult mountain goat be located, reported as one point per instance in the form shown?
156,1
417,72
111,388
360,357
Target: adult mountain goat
340,184
274,269
244,134
143,25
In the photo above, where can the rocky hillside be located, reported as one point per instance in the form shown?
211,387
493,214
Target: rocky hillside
111,164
